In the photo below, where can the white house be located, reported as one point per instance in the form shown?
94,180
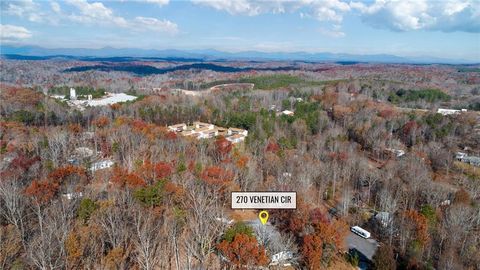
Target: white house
203,125
281,258
177,127
236,138
201,130
472,160
233,131
460,155
206,132
72,195
101,165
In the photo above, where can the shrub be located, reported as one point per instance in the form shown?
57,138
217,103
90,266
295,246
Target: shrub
238,228
151,196
86,209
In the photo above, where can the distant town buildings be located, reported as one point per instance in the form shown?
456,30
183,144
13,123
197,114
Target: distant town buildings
81,104
449,111
73,94
103,164
202,130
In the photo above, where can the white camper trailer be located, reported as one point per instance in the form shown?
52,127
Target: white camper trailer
360,232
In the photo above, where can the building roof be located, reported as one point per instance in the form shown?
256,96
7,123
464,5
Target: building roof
201,123
203,129
236,136
471,159
237,129
187,132
177,125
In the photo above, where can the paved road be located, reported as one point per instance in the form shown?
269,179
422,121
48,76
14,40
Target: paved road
367,247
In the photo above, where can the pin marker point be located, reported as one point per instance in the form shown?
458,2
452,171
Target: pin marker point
263,216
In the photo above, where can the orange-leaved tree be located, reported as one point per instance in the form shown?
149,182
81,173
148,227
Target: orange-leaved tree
243,251
122,178
223,147
42,191
312,250
215,175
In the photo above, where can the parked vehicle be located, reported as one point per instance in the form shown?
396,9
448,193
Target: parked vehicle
360,232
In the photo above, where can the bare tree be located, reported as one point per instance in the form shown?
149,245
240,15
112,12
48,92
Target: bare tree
148,238
57,146
204,225
46,249
13,204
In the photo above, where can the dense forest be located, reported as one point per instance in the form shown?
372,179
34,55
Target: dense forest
164,203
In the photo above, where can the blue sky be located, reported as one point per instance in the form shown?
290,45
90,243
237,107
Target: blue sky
439,28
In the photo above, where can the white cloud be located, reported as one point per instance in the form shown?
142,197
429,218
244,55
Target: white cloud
251,7
330,10
11,33
55,7
234,7
397,15
158,2
25,9
410,15
152,24
97,13
322,10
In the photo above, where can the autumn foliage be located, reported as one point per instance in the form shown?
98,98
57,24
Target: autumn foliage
152,172
122,178
312,250
42,191
243,251
321,237
223,146
419,225
218,176
101,121
272,147
61,174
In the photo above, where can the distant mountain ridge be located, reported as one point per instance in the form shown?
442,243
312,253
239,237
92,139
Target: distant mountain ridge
212,55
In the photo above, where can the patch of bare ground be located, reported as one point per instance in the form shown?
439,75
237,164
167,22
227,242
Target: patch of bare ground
243,215
339,263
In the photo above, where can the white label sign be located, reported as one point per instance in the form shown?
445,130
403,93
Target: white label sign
264,200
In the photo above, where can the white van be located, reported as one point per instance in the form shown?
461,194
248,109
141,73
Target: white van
361,232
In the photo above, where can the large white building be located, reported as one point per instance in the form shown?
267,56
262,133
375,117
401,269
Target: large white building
202,130
449,111
73,94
